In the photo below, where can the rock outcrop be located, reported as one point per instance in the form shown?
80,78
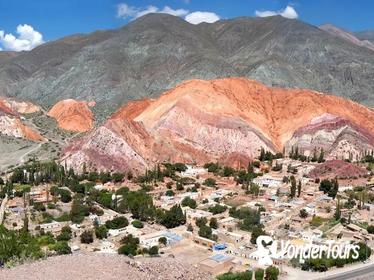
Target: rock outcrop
224,120
11,123
73,115
21,107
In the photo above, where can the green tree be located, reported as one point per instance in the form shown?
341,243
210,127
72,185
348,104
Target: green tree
137,224
78,210
259,274
299,189
190,228
130,245
187,201
163,240
370,229
153,250
254,189
65,234
86,237
101,232
205,231
337,213
271,273
174,217
61,248
209,182
213,223
293,187
303,214
246,275
116,223
256,232
321,156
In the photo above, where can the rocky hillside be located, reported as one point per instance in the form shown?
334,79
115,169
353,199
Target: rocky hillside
73,115
105,266
228,120
350,37
156,52
10,119
365,35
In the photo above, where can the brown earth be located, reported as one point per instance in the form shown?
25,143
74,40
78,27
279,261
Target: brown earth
101,266
337,168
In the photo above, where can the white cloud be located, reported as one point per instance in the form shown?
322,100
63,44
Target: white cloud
198,17
288,12
130,12
125,11
27,39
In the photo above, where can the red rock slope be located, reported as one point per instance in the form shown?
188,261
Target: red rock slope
73,115
10,121
226,120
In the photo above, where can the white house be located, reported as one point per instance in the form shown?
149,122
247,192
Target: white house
193,171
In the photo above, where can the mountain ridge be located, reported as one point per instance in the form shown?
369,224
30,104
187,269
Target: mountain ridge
156,52
227,120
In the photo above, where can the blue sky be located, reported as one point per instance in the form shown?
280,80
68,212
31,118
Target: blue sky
31,22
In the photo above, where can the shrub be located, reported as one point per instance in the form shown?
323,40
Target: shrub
87,237
116,223
137,224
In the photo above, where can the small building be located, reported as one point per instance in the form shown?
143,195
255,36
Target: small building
40,196
53,227
268,182
193,171
355,228
152,239
203,241
228,223
217,263
193,214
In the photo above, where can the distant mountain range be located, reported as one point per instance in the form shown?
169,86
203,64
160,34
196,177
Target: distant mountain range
349,36
365,35
158,51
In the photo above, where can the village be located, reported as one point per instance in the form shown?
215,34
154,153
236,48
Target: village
223,211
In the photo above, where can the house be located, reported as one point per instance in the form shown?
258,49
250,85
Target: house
152,239
193,171
193,214
53,227
40,196
268,182
203,241
217,263
218,194
355,228
311,236
119,231
228,223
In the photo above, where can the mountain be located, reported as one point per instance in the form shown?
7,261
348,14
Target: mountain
156,52
227,120
333,30
73,115
365,35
